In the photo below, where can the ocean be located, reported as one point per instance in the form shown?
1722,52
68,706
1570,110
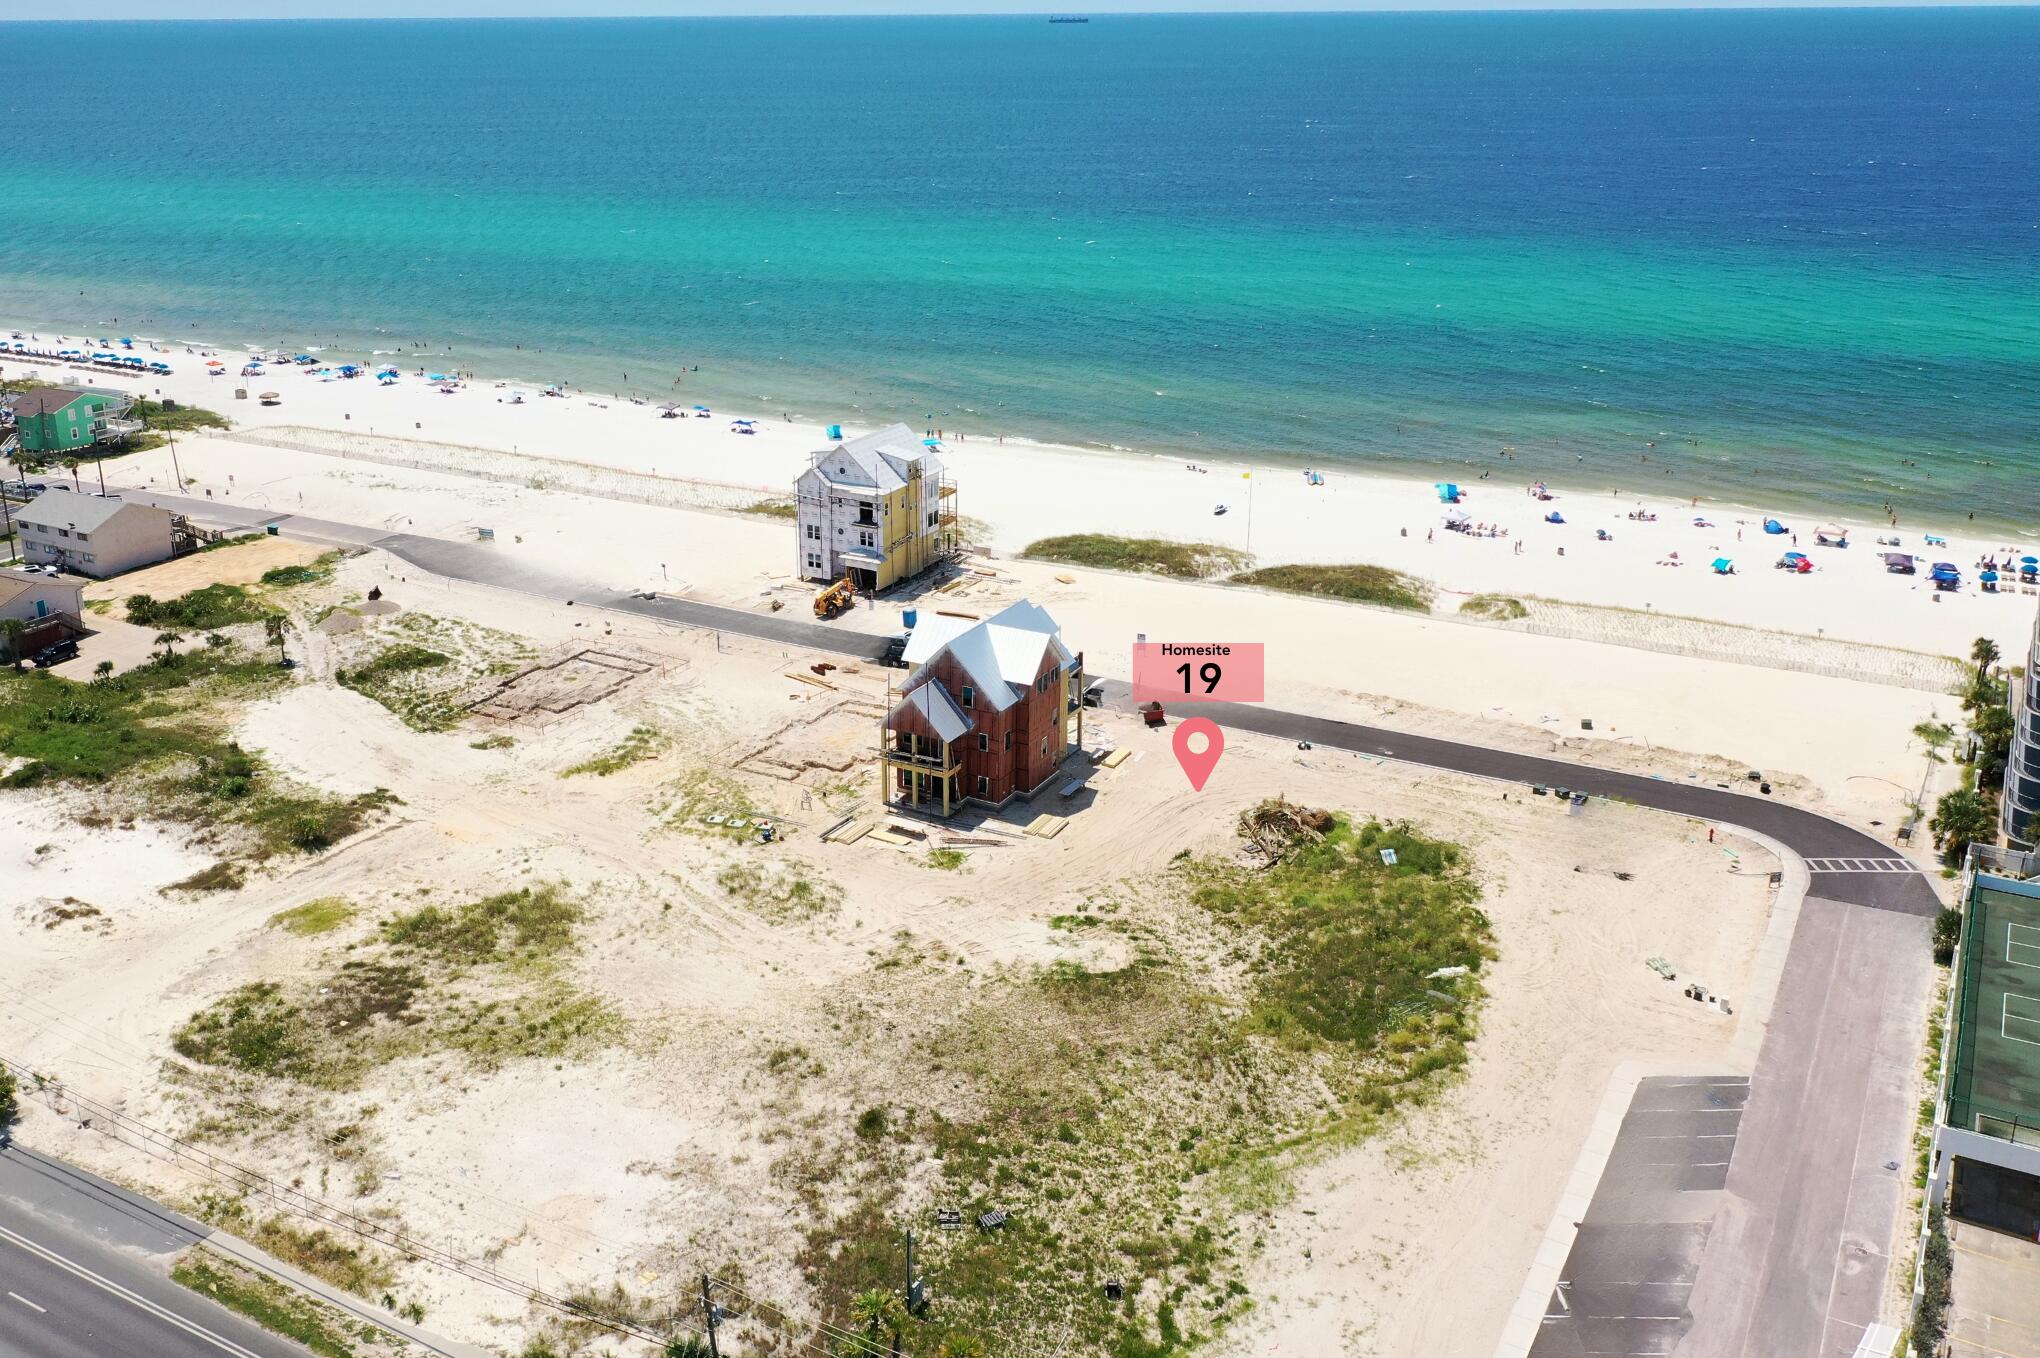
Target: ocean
1789,257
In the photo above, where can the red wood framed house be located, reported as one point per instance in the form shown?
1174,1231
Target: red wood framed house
989,712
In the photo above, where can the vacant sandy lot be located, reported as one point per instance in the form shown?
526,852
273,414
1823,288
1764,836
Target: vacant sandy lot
748,1000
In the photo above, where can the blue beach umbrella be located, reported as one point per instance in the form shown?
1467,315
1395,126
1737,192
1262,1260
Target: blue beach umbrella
1722,565
1773,526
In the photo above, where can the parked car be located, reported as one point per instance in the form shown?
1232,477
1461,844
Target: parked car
1094,696
895,653
55,654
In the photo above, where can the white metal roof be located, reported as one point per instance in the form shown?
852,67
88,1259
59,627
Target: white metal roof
945,718
1001,654
881,460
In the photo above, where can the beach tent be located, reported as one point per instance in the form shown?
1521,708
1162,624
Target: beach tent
1945,575
1447,492
836,432
215,363
1831,535
1456,518
1554,517
1723,566
1774,527
1900,563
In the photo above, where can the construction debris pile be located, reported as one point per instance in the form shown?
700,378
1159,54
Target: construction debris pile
1278,825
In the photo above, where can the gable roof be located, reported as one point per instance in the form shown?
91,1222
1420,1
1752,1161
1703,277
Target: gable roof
933,705
62,507
881,460
14,584
1001,654
43,400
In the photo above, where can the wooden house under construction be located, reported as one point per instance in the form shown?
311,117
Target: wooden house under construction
989,712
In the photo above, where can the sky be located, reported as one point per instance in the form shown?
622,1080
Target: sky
476,9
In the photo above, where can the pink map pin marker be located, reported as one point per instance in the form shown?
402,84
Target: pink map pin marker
1198,764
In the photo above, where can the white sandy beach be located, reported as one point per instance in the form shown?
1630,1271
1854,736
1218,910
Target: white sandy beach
1026,491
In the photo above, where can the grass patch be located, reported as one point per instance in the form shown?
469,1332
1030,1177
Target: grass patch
319,1252
1138,1116
275,1307
1494,607
781,892
641,744
321,916
221,876
152,730
527,925
495,742
772,509
1355,584
315,572
701,794
945,860
202,610
1149,556
154,416
391,678
478,979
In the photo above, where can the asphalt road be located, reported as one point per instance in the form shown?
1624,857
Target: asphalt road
83,1274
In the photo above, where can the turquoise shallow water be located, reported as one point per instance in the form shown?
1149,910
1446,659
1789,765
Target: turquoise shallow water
1794,251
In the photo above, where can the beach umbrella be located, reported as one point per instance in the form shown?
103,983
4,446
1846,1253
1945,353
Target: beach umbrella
1456,516
215,363
931,443
702,409
1774,527
1722,565
269,396
2029,561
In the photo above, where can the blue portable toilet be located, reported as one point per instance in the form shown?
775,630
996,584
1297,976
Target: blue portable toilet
910,617
836,432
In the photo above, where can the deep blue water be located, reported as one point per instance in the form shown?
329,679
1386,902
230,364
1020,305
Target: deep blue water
1793,249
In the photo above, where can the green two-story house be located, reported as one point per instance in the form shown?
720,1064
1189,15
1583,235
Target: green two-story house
55,420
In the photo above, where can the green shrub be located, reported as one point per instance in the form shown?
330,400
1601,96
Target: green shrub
1495,607
1947,934
1149,556
200,610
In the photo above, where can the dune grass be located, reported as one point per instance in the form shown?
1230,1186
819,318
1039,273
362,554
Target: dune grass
1353,583
153,728
1494,607
1137,1118
321,916
276,1308
201,610
1148,556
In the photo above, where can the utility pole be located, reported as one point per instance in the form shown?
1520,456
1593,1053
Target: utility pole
708,1310
173,462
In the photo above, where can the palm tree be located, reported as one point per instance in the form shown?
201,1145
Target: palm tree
963,1346
11,631
103,670
71,465
879,1310
1935,735
167,640
1985,654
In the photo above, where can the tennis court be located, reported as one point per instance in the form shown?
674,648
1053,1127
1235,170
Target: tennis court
1995,1083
